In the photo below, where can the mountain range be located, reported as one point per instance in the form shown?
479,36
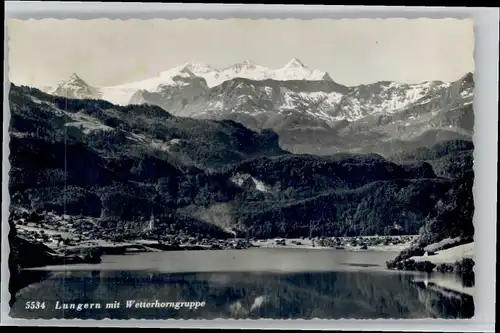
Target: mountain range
182,75
309,111
119,164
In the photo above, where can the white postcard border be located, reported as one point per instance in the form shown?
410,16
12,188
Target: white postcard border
485,154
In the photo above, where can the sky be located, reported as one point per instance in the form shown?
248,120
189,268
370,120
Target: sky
107,52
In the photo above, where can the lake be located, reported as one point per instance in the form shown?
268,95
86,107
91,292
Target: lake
253,283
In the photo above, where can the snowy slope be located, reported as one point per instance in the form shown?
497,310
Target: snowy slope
386,97
324,100
121,94
293,70
308,114
75,87
199,90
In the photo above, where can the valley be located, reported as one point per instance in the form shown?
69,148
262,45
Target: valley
126,172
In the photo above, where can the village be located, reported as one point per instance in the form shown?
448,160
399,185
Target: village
67,234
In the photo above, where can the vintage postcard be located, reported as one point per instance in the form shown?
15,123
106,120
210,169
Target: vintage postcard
241,169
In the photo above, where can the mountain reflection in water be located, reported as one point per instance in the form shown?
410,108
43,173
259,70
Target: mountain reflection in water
326,295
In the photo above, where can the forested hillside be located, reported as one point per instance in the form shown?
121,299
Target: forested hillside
121,164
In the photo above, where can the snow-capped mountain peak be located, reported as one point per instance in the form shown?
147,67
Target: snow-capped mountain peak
296,70
244,65
248,63
75,77
76,87
198,67
293,70
185,74
183,71
294,63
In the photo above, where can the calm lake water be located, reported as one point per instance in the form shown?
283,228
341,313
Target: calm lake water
254,283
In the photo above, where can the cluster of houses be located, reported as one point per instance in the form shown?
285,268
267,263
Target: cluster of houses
54,230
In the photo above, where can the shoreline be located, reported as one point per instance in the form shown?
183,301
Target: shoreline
70,248
106,247
450,255
345,244
445,281
70,242
442,282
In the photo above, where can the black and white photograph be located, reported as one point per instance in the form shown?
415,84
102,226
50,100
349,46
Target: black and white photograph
241,169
